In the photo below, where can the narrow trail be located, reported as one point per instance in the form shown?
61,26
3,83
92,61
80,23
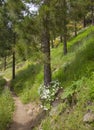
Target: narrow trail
21,118
26,116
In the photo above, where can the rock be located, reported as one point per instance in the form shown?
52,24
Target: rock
30,112
53,111
88,117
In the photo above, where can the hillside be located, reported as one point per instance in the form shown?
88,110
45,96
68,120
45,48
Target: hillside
47,65
76,64
73,109
75,75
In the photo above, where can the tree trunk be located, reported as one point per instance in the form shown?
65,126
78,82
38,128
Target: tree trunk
75,29
13,66
84,22
5,63
65,44
13,58
65,29
92,11
46,46
47,64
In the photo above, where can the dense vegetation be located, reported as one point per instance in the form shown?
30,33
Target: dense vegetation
48,54
76,75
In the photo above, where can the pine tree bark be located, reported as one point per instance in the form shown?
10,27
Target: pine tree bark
65,29
13,66
75,28
46,46
84,22
13,58
92,11
47,64
65,44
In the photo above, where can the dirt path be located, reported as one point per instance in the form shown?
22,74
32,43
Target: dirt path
25,116
22,117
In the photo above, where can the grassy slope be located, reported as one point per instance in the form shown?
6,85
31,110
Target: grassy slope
70,70
76,62
6,106
75,71
29,78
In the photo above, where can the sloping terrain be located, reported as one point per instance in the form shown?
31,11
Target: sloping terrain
75,73
74,107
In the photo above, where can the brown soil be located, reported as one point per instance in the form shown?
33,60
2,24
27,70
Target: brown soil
26,116
23,115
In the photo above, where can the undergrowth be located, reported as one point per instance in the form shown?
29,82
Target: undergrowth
76,74
77,100
65,68
6,106
81,63
27,82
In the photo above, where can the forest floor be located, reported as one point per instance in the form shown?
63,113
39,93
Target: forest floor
25,116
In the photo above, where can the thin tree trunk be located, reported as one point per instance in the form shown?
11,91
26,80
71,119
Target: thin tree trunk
13,58
5,63
75,28
65,29
84,22
92,11
65,44
13,66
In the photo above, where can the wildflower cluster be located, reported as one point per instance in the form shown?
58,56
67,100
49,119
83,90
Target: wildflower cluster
47,94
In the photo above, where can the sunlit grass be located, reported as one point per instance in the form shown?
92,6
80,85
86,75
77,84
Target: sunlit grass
6,105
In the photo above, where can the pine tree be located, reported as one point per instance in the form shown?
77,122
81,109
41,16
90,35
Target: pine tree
6,33
45,37
16,13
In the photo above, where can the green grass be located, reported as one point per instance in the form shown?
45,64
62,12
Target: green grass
78,63
30,76
69,116
27,82
73,45
75,71
6,106
2,83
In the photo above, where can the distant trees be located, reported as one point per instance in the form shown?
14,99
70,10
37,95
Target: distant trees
92,11
5,33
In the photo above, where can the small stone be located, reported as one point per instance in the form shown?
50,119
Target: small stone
88,117
30,112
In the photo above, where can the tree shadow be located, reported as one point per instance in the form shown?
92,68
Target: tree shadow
2,84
